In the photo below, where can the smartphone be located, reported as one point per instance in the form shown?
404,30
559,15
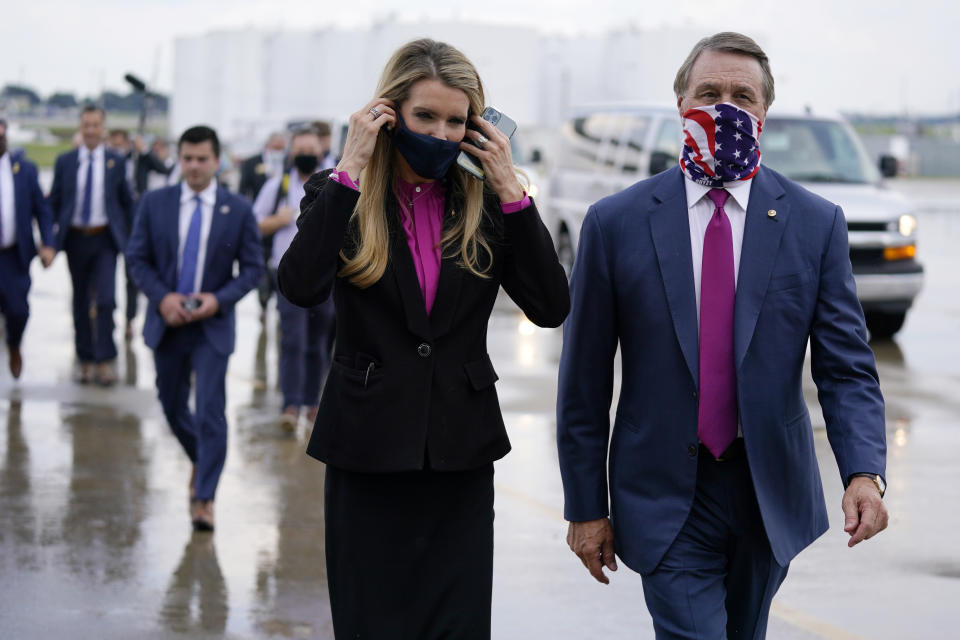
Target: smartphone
508,127
191,304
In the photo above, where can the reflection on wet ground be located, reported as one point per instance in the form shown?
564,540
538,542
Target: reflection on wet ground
95,539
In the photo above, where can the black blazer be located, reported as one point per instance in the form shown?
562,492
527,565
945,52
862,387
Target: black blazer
253,176
404,384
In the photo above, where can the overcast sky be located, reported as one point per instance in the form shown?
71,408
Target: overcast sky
879,56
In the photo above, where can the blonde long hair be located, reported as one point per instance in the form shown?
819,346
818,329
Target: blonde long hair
415,61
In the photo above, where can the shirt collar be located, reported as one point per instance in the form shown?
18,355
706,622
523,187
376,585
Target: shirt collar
740,192
85,152
208,196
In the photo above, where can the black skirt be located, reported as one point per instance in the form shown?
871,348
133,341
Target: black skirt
410,555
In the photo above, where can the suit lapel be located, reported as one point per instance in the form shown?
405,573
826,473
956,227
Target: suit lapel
401,263
670,229
70,186
761,240
218,224
448,286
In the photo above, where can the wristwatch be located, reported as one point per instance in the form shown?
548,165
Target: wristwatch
877,480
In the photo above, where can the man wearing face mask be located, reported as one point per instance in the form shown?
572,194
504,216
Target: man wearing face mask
306,334
713,277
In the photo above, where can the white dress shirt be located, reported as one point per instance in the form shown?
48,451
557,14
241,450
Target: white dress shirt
98,213
8,204
700,209
263,208
208,198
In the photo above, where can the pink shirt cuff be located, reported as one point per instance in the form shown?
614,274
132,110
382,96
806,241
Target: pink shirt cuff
513,207
344,178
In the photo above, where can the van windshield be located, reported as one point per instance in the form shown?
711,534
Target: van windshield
808,150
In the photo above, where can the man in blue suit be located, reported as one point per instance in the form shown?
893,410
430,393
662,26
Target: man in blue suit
712,277
21,202
185,241
91,203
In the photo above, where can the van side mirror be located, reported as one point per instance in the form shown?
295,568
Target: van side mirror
660,161
889,166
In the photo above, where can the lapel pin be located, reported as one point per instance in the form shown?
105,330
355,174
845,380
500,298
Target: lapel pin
16,168
110,163
224,209
772,213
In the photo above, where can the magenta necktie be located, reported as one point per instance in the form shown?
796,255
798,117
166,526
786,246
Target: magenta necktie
717,415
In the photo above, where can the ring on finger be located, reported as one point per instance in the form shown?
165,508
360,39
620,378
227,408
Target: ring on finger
375,112
482,140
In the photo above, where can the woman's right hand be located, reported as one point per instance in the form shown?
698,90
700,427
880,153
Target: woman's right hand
362,135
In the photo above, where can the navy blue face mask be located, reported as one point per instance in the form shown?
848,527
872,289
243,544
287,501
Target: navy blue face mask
429,157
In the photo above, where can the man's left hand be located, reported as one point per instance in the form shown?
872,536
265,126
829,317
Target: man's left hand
209,306
865,513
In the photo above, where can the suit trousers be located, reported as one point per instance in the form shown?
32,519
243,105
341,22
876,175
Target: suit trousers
410,554
14,288
718,578
306,342
132,293
183,353
93,269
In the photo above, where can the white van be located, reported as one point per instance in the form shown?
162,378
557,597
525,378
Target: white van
606,149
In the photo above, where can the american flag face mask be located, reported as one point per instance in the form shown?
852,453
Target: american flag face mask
720,144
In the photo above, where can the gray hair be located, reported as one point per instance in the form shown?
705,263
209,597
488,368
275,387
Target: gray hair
731,42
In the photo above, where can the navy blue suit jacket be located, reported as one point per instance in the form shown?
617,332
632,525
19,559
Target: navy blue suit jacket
632,286
30,204
118,201
153,251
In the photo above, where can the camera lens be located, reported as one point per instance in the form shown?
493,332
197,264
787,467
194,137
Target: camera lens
493,117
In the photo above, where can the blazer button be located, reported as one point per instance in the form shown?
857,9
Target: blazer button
424,350
692,451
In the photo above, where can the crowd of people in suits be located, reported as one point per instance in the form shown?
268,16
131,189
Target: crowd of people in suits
113,196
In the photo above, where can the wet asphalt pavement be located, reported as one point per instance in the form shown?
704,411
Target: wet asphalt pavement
95,540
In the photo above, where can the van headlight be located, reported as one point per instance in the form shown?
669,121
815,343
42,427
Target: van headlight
907,225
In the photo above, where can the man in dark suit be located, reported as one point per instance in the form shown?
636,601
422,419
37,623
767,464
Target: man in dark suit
185,241
254,173
92,204
21,202
712,277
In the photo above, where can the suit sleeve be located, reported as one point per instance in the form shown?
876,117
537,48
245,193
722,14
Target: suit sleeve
250,257
139,255
532,276
843,365
125,198
55,199
585,387
42,212
307,270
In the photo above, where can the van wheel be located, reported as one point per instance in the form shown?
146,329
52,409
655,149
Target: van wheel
883,325
565,251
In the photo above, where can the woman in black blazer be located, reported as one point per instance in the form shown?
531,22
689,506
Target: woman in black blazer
414,250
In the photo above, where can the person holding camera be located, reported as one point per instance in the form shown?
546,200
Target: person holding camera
185,242
414,250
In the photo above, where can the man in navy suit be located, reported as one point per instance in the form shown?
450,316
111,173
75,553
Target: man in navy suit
21,202
185,241
92,203
712,277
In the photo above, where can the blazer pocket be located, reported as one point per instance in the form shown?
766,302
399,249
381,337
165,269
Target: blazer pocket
790,280
364,372
481,373
798,421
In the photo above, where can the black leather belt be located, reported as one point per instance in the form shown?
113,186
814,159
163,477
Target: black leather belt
735,451
89,231
9,249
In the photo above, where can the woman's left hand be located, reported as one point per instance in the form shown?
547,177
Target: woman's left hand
496,158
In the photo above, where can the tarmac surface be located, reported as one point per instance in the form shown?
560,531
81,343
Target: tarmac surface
95,540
